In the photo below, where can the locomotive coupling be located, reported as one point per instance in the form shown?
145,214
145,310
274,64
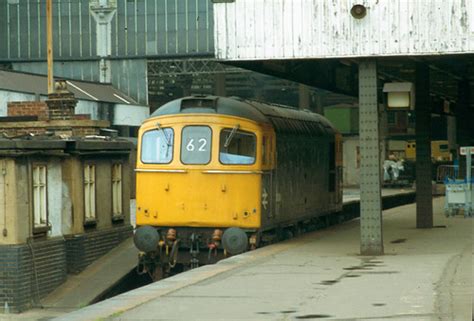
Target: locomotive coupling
171,235
215,239
253,241
234,240
146,238
217,236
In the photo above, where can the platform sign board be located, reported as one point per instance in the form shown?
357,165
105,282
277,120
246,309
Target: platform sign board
463,150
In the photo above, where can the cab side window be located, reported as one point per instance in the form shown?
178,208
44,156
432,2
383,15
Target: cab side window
237,147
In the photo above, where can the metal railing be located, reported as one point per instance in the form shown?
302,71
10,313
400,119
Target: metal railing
451,172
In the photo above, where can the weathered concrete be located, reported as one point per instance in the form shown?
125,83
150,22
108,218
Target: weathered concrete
425,275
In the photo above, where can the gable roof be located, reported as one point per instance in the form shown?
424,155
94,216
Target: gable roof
84,90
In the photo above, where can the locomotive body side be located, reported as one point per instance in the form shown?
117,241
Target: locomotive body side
306,182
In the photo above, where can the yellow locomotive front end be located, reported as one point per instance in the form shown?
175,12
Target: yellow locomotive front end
199,183
188,176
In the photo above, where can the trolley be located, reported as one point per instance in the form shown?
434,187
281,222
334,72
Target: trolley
459,192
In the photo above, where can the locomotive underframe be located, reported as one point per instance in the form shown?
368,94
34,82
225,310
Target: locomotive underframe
194,247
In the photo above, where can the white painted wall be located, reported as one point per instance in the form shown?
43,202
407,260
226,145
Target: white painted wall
279,29
66,208
88,107
55,207
130,115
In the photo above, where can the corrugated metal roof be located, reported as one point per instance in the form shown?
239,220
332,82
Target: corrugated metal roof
294,121
37,84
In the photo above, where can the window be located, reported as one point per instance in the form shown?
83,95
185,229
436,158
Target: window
40,212
264,151
332,167
116,190
196,145
89,193
157,146
443,148
237,147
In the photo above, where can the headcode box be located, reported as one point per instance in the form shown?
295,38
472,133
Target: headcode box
463,150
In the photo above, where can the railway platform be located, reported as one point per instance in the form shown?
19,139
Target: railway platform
425,274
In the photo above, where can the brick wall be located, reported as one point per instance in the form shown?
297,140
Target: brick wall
13,132
84,131
82,116
61,105
28,108
29,273
59,108
83,249
50,264
76,127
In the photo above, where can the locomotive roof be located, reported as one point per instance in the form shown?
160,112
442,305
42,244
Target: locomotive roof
283,118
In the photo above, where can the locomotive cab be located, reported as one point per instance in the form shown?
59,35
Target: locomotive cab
194,175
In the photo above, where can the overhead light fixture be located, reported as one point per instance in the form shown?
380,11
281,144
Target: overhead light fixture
358,11
400,95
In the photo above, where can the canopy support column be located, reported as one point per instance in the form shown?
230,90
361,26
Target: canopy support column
371,239
424,196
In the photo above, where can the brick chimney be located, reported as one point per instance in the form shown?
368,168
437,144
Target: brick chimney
61,103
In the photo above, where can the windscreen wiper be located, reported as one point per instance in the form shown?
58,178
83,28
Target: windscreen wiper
168,138
231,135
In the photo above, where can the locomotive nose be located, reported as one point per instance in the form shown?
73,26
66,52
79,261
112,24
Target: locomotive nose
146,238
234,240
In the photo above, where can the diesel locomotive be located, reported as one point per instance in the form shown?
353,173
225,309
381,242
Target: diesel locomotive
219,176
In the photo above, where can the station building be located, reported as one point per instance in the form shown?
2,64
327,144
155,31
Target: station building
64,196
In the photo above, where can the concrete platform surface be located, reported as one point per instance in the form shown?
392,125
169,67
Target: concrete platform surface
424,275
